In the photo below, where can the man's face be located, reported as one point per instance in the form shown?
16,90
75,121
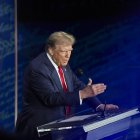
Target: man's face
61,54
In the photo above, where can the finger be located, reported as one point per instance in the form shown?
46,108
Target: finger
89,82
100,91
112,107
116,107
100,87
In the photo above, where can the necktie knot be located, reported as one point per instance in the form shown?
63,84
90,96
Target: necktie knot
60,68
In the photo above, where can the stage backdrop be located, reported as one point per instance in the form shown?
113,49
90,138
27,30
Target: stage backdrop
7,65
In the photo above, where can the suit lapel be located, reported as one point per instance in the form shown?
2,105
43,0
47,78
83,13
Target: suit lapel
67,78
53,73
56,80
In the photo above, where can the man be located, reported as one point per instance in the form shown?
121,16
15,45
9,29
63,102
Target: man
51,90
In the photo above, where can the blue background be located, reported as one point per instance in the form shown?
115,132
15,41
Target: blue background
107,47
7,65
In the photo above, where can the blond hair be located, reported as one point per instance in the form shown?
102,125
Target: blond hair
59,38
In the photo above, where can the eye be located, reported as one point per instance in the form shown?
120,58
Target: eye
65,51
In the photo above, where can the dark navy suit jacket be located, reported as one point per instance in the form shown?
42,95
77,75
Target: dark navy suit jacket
43,97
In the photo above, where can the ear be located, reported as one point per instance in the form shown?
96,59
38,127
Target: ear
50,51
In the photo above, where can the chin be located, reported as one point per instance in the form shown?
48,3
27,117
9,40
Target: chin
64,64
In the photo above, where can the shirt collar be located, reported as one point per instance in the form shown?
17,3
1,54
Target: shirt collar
55,66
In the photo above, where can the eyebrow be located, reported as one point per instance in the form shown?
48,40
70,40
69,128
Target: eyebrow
65,50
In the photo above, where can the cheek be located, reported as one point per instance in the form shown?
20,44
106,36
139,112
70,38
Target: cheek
62,56
56,56
59,58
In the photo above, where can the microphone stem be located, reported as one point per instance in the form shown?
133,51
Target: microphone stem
104,107
103,113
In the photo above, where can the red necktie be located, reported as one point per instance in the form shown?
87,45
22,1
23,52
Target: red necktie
60,71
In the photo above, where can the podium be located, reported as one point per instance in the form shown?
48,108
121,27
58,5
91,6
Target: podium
95,126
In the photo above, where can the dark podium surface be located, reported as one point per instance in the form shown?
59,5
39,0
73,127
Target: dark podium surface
96,126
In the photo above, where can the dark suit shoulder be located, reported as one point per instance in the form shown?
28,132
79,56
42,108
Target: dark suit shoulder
41,64
37,62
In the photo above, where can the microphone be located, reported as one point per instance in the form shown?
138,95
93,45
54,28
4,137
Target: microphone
81,73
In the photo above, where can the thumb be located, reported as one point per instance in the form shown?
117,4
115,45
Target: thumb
89,81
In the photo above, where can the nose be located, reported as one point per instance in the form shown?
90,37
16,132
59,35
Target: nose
68,53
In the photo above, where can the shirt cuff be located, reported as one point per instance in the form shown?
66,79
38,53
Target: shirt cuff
98,107
80,99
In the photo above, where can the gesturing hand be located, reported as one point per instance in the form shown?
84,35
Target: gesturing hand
109,107
92,89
